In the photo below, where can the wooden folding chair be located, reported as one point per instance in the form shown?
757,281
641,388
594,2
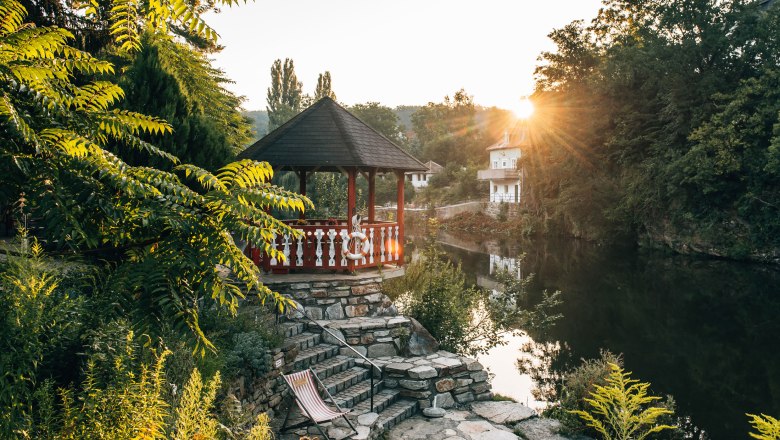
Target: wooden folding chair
309,401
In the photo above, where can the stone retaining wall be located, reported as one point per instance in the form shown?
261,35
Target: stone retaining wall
339,298
266,393
372,337
443,377
493,209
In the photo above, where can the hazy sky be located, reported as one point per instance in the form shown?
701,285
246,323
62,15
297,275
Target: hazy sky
395,52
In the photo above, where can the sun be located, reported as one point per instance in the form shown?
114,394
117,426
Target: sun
523,109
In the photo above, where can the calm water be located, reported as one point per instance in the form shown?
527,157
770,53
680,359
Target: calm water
705,331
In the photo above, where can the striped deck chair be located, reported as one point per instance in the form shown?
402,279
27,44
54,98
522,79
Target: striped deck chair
309,401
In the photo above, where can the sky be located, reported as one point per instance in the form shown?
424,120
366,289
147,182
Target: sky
400,52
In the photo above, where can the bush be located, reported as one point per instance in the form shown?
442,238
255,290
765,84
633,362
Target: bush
248,356
622,410
463,318
768,427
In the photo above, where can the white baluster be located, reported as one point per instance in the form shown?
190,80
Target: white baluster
397,245
332,247
318,235
344,236
360,244
382,245
371,245
286,249
299,253
273,261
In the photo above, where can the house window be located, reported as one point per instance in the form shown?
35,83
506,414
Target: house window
506,189
425,177
495,188
514,163
495,164
503,163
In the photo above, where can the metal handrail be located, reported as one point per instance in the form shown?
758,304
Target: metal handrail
345,344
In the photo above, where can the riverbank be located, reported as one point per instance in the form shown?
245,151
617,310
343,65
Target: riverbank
663,239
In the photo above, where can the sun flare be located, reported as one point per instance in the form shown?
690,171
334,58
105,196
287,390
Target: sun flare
524,109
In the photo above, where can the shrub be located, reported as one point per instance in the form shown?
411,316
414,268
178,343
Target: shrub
248,356
36,319
621,410
193,413
768,427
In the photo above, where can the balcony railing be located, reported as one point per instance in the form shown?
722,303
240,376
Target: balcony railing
320,246
504,198
498,174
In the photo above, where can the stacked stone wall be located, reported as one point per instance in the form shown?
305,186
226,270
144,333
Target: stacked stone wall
493,209
444,378
340,298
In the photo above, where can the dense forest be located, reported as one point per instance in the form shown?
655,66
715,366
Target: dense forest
658,120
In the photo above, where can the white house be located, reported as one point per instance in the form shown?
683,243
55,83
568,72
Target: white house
506,180
420,179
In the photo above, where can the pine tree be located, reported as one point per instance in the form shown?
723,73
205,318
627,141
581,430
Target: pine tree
285,95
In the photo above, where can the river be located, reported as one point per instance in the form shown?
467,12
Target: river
704,331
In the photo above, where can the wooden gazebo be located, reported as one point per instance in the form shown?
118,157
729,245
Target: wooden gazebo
326,137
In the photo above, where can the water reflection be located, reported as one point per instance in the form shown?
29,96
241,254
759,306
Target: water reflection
705,331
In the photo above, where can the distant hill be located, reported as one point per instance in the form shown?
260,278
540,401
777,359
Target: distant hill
259,122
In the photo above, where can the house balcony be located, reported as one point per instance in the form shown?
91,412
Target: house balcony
498,174
319,247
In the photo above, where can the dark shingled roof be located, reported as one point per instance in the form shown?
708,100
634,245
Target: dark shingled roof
327,137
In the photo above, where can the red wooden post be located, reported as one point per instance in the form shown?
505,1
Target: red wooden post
400,216
351,196
302,189
371,196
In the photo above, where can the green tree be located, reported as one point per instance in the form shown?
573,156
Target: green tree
284,97
174,82
382,119
628,108
165,232
448,132
324,87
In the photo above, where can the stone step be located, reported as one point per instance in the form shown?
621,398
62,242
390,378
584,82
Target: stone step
396,413
314,355
356,393
382,400
334,365
290,329
341,381
302,340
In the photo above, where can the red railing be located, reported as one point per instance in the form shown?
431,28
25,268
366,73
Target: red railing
320,246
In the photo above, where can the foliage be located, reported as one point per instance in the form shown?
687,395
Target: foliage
454,184
247,356
176,83
165,232
463,318
382,119
193,412
261,429
447,132
120,397
658,119
768,427
38,318
285,94
324,87
621,410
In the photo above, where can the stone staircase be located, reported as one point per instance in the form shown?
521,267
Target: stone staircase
349,384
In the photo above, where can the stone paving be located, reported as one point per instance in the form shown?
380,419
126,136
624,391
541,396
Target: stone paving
485,421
